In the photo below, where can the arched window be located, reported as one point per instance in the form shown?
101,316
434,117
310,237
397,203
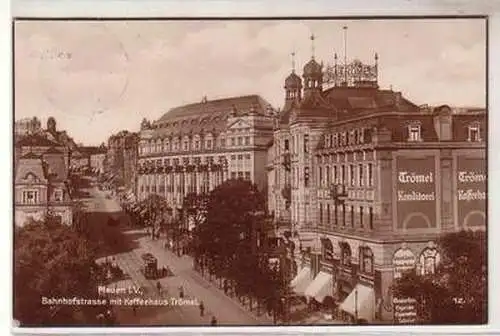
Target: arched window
428,261
327,249
366,260
345,254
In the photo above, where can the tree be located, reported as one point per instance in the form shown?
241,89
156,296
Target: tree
51,260
152,210
195,208
457,291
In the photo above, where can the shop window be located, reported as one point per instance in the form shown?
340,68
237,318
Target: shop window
345,254
327,249
366,260
428,261
414,132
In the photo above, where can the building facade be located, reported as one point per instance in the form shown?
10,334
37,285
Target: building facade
194,148
120,162
366,181
41,171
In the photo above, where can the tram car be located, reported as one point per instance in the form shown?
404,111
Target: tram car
150,268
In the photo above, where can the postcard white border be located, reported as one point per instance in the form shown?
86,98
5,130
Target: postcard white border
242,8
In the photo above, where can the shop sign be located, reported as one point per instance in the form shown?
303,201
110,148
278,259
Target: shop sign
405,310
416,191
403,261
471,191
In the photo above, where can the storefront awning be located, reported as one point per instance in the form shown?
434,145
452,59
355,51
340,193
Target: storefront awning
301,281
321,287
360,302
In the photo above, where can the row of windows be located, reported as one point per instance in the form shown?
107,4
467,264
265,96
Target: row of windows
189,145
33,196
241,175
353,137
354,175
365,258
293,146
241,157
188,160
358,136
189,184
336,214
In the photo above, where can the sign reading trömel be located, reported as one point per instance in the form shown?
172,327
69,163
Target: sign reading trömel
416,192
471,191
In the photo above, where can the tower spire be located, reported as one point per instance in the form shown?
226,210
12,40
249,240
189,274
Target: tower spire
312,46
345,53
293,61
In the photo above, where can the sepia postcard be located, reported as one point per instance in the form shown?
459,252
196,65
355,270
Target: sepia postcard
257,172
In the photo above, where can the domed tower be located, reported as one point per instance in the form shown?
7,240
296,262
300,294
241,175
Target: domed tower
312,74
293,85
51,125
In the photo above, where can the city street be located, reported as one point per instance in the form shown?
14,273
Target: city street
226,310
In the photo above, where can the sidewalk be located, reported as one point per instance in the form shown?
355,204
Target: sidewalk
227,310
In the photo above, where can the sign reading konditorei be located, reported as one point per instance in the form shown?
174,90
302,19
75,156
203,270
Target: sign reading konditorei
471,191
416,192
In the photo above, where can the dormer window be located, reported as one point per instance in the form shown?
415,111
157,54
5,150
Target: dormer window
474,134
414,132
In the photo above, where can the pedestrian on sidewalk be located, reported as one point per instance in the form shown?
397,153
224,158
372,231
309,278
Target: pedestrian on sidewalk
181,292
202,309
158,286
213,322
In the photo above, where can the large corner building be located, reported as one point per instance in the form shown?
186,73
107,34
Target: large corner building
365,181
196,147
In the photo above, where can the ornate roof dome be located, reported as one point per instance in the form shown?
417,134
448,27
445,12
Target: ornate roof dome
293,80
312,68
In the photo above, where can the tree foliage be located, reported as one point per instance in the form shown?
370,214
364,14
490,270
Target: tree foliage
227,240
51,260
457,292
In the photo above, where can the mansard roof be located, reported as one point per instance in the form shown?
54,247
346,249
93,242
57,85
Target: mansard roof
30,164
208,116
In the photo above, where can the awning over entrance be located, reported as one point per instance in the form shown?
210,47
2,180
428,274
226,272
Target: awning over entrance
301,281
360,303
321,287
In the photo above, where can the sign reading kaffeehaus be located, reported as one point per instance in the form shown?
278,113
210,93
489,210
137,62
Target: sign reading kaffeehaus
416,192
471,191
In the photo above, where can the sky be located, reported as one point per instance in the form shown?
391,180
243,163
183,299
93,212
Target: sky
99,77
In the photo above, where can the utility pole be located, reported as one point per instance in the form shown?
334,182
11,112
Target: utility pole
355,305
